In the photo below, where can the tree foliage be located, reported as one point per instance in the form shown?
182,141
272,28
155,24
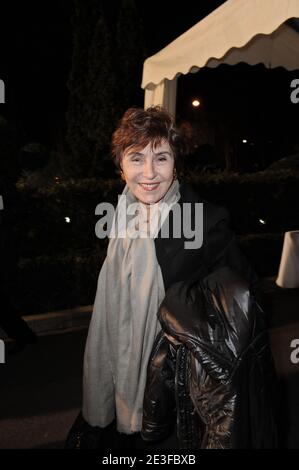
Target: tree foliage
104,80
130,55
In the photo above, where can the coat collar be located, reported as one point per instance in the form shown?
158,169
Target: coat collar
168,247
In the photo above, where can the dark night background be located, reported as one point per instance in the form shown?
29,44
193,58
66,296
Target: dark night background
36,51
35,61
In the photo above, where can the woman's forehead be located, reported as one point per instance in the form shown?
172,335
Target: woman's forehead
155,146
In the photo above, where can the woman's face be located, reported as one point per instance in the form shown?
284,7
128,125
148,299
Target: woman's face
149,172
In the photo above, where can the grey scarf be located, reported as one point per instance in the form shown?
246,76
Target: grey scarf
123,326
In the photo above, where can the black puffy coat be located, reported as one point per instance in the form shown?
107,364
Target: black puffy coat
217,380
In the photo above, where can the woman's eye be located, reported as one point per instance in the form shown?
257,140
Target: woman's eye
162,159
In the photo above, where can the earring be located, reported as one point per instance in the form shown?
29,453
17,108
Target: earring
122,175
174,174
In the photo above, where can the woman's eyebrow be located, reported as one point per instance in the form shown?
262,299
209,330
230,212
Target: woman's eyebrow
163,153
140,154
132,154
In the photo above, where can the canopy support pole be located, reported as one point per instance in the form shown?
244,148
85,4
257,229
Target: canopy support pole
163,94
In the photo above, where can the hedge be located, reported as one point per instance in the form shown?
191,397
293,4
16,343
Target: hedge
59,262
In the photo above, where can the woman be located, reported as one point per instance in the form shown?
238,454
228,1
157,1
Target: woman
142,264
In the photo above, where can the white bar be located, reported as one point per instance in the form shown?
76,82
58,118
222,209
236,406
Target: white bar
2,92
2,352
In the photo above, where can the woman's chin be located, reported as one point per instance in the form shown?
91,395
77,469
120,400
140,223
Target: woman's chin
149,197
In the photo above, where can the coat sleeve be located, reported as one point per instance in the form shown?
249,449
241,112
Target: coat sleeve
159,408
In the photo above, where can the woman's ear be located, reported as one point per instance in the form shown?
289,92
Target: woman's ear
121,173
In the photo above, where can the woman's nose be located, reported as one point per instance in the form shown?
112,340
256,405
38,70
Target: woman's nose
149,170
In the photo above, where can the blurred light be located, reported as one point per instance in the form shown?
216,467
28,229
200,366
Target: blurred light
262,222
195,103
67,219
244,141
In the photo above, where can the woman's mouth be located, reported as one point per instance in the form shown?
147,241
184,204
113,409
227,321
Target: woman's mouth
149,186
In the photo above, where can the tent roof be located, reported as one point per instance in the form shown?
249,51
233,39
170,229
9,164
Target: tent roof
252,31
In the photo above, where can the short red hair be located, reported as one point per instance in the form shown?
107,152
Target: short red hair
138,127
